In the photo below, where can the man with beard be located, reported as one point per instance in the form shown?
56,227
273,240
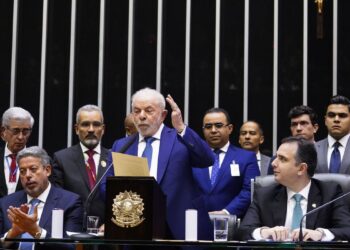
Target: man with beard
79,167
174,152
16,127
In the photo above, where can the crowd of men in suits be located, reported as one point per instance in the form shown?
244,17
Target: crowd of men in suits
212,175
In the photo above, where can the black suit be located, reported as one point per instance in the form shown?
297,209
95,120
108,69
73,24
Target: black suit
69,172
269,209
3,186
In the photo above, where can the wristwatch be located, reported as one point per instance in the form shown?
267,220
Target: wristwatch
37,235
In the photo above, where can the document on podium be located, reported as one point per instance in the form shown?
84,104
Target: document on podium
129,165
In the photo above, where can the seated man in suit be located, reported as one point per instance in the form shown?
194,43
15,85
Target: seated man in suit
79,167
16,127
251,136
225,185
174,151
334,150
28,213
277,210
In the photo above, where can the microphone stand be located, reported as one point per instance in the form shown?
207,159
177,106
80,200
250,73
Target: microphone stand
93,191
301,236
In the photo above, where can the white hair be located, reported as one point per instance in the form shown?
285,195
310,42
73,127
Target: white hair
148,92
88,108
16,113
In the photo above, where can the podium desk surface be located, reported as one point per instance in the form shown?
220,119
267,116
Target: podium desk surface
206,244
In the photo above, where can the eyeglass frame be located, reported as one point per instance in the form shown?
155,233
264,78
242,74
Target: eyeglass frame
17,131
217,125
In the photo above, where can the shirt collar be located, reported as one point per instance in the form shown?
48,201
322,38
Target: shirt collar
343,141
258,156
8,152
224,148
156,135
97,149
43,196
304,192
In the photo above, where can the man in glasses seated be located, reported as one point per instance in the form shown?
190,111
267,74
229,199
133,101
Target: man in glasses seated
78,168
334,151
225,185
16,127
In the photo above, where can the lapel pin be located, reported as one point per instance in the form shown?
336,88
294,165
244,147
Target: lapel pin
313,205
103,164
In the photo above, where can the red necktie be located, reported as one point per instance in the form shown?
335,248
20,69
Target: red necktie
91,168
13,166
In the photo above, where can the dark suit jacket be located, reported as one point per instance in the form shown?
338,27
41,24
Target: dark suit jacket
264,164
229,192
176,156
69,172
270,206
57,198
322,166
3,186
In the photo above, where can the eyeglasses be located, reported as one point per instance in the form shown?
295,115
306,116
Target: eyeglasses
17,131
217,125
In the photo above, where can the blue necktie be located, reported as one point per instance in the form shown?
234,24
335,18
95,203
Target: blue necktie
148,150
297,212
216,166
335,162
29,245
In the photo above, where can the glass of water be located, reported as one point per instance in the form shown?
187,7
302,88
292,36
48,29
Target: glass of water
92,224
220,228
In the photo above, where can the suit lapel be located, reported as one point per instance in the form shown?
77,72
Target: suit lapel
103,163
80,164
322,155
225,165
49,205
279,206
167,141
345,163
314,201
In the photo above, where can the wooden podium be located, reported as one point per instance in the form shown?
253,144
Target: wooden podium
135,209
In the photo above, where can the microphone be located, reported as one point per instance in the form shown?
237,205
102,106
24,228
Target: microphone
315,210
91,195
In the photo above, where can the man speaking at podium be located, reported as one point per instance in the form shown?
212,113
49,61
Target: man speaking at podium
173,152
277,210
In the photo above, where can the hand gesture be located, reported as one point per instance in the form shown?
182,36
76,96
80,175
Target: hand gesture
308,234
176,117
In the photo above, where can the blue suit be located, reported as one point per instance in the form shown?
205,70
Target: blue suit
229,192
174,174
57,198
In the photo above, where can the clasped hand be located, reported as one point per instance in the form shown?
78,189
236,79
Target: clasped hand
281,233
21,221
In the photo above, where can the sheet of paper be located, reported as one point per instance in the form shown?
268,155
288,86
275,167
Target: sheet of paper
129,165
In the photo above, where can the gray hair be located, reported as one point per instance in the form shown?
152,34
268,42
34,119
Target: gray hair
16,113
88,108
36,152
148,92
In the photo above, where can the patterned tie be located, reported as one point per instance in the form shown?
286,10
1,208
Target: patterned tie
13,167
216,166
148,150
297,212
335,162
91,168
29,245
